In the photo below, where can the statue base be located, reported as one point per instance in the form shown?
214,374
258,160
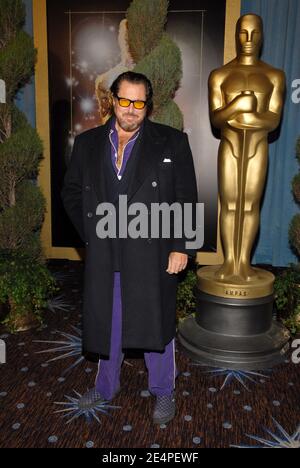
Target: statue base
260,285
234,333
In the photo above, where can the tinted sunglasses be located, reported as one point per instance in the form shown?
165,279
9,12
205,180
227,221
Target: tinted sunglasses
124,102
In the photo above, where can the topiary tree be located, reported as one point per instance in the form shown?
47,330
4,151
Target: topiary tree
294,231
287,284
22,204
157,56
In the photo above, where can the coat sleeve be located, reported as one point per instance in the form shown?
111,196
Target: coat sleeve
72,188
185,190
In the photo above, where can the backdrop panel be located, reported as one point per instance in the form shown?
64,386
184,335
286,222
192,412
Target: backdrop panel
81,44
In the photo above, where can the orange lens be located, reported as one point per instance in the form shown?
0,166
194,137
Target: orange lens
139,104
124,102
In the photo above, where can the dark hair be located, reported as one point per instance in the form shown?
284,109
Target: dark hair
136,78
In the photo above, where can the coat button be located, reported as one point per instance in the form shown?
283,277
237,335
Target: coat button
154,184
149,241
87,188
90,215
86,243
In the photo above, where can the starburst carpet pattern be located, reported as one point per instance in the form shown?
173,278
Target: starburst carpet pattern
215,408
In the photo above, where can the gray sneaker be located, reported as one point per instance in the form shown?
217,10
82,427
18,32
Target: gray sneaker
91,398
164,409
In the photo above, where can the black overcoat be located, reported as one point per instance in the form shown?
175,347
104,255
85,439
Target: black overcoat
148,291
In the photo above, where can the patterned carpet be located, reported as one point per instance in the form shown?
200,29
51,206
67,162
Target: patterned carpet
214,409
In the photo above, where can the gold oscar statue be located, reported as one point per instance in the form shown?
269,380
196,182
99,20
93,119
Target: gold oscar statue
233,327
246,99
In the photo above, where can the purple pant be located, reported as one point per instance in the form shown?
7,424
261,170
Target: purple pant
161,366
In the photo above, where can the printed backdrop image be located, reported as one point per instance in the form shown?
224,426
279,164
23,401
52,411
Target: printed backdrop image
87,47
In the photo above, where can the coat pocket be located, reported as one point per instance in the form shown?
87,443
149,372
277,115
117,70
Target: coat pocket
166,165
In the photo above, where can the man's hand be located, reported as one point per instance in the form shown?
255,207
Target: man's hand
177,262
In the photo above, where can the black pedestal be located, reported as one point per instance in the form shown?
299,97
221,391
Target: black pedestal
234,333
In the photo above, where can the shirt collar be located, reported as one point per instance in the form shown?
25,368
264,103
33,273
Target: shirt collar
114,132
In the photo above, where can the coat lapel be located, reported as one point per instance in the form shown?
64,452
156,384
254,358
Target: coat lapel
149,151
151,147
99,150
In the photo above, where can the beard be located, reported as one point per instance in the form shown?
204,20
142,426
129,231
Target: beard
129,126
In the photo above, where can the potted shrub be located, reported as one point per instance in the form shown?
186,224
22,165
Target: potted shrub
26,286
186,298
287,284
287,298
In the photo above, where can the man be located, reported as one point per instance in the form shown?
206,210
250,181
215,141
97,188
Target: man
130,283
